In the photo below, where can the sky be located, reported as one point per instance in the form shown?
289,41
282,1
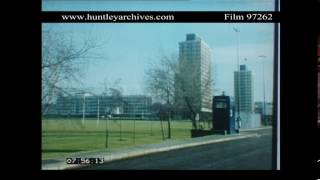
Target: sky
128,49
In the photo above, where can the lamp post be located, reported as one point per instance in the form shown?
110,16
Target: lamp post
107,131
83,108
98,111
263,90
238,67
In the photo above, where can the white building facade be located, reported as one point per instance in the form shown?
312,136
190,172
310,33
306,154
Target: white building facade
195,68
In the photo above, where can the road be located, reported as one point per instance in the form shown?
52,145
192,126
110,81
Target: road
252,153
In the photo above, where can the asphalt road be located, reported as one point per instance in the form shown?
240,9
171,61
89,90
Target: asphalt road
252,153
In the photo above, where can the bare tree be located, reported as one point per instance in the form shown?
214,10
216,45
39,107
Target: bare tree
115,91
194,86
62,63
160,82
178,83
188,90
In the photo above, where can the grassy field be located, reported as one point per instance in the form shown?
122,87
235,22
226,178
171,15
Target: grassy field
63,136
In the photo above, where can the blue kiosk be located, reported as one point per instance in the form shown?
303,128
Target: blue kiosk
223,115
223,118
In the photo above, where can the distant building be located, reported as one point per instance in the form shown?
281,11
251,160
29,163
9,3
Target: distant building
49,109
195,60
266,113
258,108
131,105
244,89
249,120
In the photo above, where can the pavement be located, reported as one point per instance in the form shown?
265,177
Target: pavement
142,150
252,153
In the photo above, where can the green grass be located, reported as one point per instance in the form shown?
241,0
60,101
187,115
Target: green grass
64,136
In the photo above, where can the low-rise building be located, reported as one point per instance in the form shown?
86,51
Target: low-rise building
94,105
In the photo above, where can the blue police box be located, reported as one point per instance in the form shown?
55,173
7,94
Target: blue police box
223,115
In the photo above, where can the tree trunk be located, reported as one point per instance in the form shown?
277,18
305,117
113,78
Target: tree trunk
193,113
193,119
169,114
162,132
169,126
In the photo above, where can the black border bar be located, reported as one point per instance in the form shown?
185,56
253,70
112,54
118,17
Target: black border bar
153,16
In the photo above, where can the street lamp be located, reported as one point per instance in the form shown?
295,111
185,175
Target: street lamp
238,67
264,97
84,107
